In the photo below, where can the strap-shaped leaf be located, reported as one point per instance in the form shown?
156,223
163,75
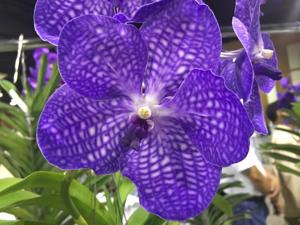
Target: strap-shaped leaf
20,222
283,157
41,97
222,203
282,147
54,181
41,75
287,169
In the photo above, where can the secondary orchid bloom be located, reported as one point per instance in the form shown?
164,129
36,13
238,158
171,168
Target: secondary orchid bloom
37,55
246,71
50,16
290,96
134,102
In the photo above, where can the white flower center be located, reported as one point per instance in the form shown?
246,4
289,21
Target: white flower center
264,54
267,53
144,112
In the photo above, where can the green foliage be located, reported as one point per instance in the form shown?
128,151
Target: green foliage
220,212
287,153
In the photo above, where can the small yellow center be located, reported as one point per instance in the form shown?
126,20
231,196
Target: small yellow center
144,112
267,53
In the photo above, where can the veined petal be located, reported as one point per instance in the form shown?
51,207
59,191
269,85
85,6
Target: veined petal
255,111
50,16
215,119
129,7
243,35
248,12
148,10
75,132
173,179
266,84
181,36
238,75
100,57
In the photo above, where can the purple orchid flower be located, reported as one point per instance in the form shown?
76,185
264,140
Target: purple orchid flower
253,68
290,96
285,100
51,16
134,102
37,55
286,84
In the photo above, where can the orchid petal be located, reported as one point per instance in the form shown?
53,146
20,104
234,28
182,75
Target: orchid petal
181,36
173,179
50,16
130,7
100,57
215,119
248,12
255,111
75,132
243,35
238,75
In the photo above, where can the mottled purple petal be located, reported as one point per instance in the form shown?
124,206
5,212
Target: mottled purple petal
173,179
129,7
268,44
148,10
121,17
101,57
248,12
255,111
51,15
181,36
214,117
266,84
238,75
75,132
243,35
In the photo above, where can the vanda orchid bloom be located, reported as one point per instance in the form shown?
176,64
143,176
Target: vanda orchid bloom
133,101
50,16
254,67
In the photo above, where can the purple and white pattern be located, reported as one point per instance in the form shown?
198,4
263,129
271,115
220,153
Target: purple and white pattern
103,57
255,66
173,36
50,16
167,125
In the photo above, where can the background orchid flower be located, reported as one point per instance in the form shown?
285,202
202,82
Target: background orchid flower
290,95
170,137
34,71
51,15
253,68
